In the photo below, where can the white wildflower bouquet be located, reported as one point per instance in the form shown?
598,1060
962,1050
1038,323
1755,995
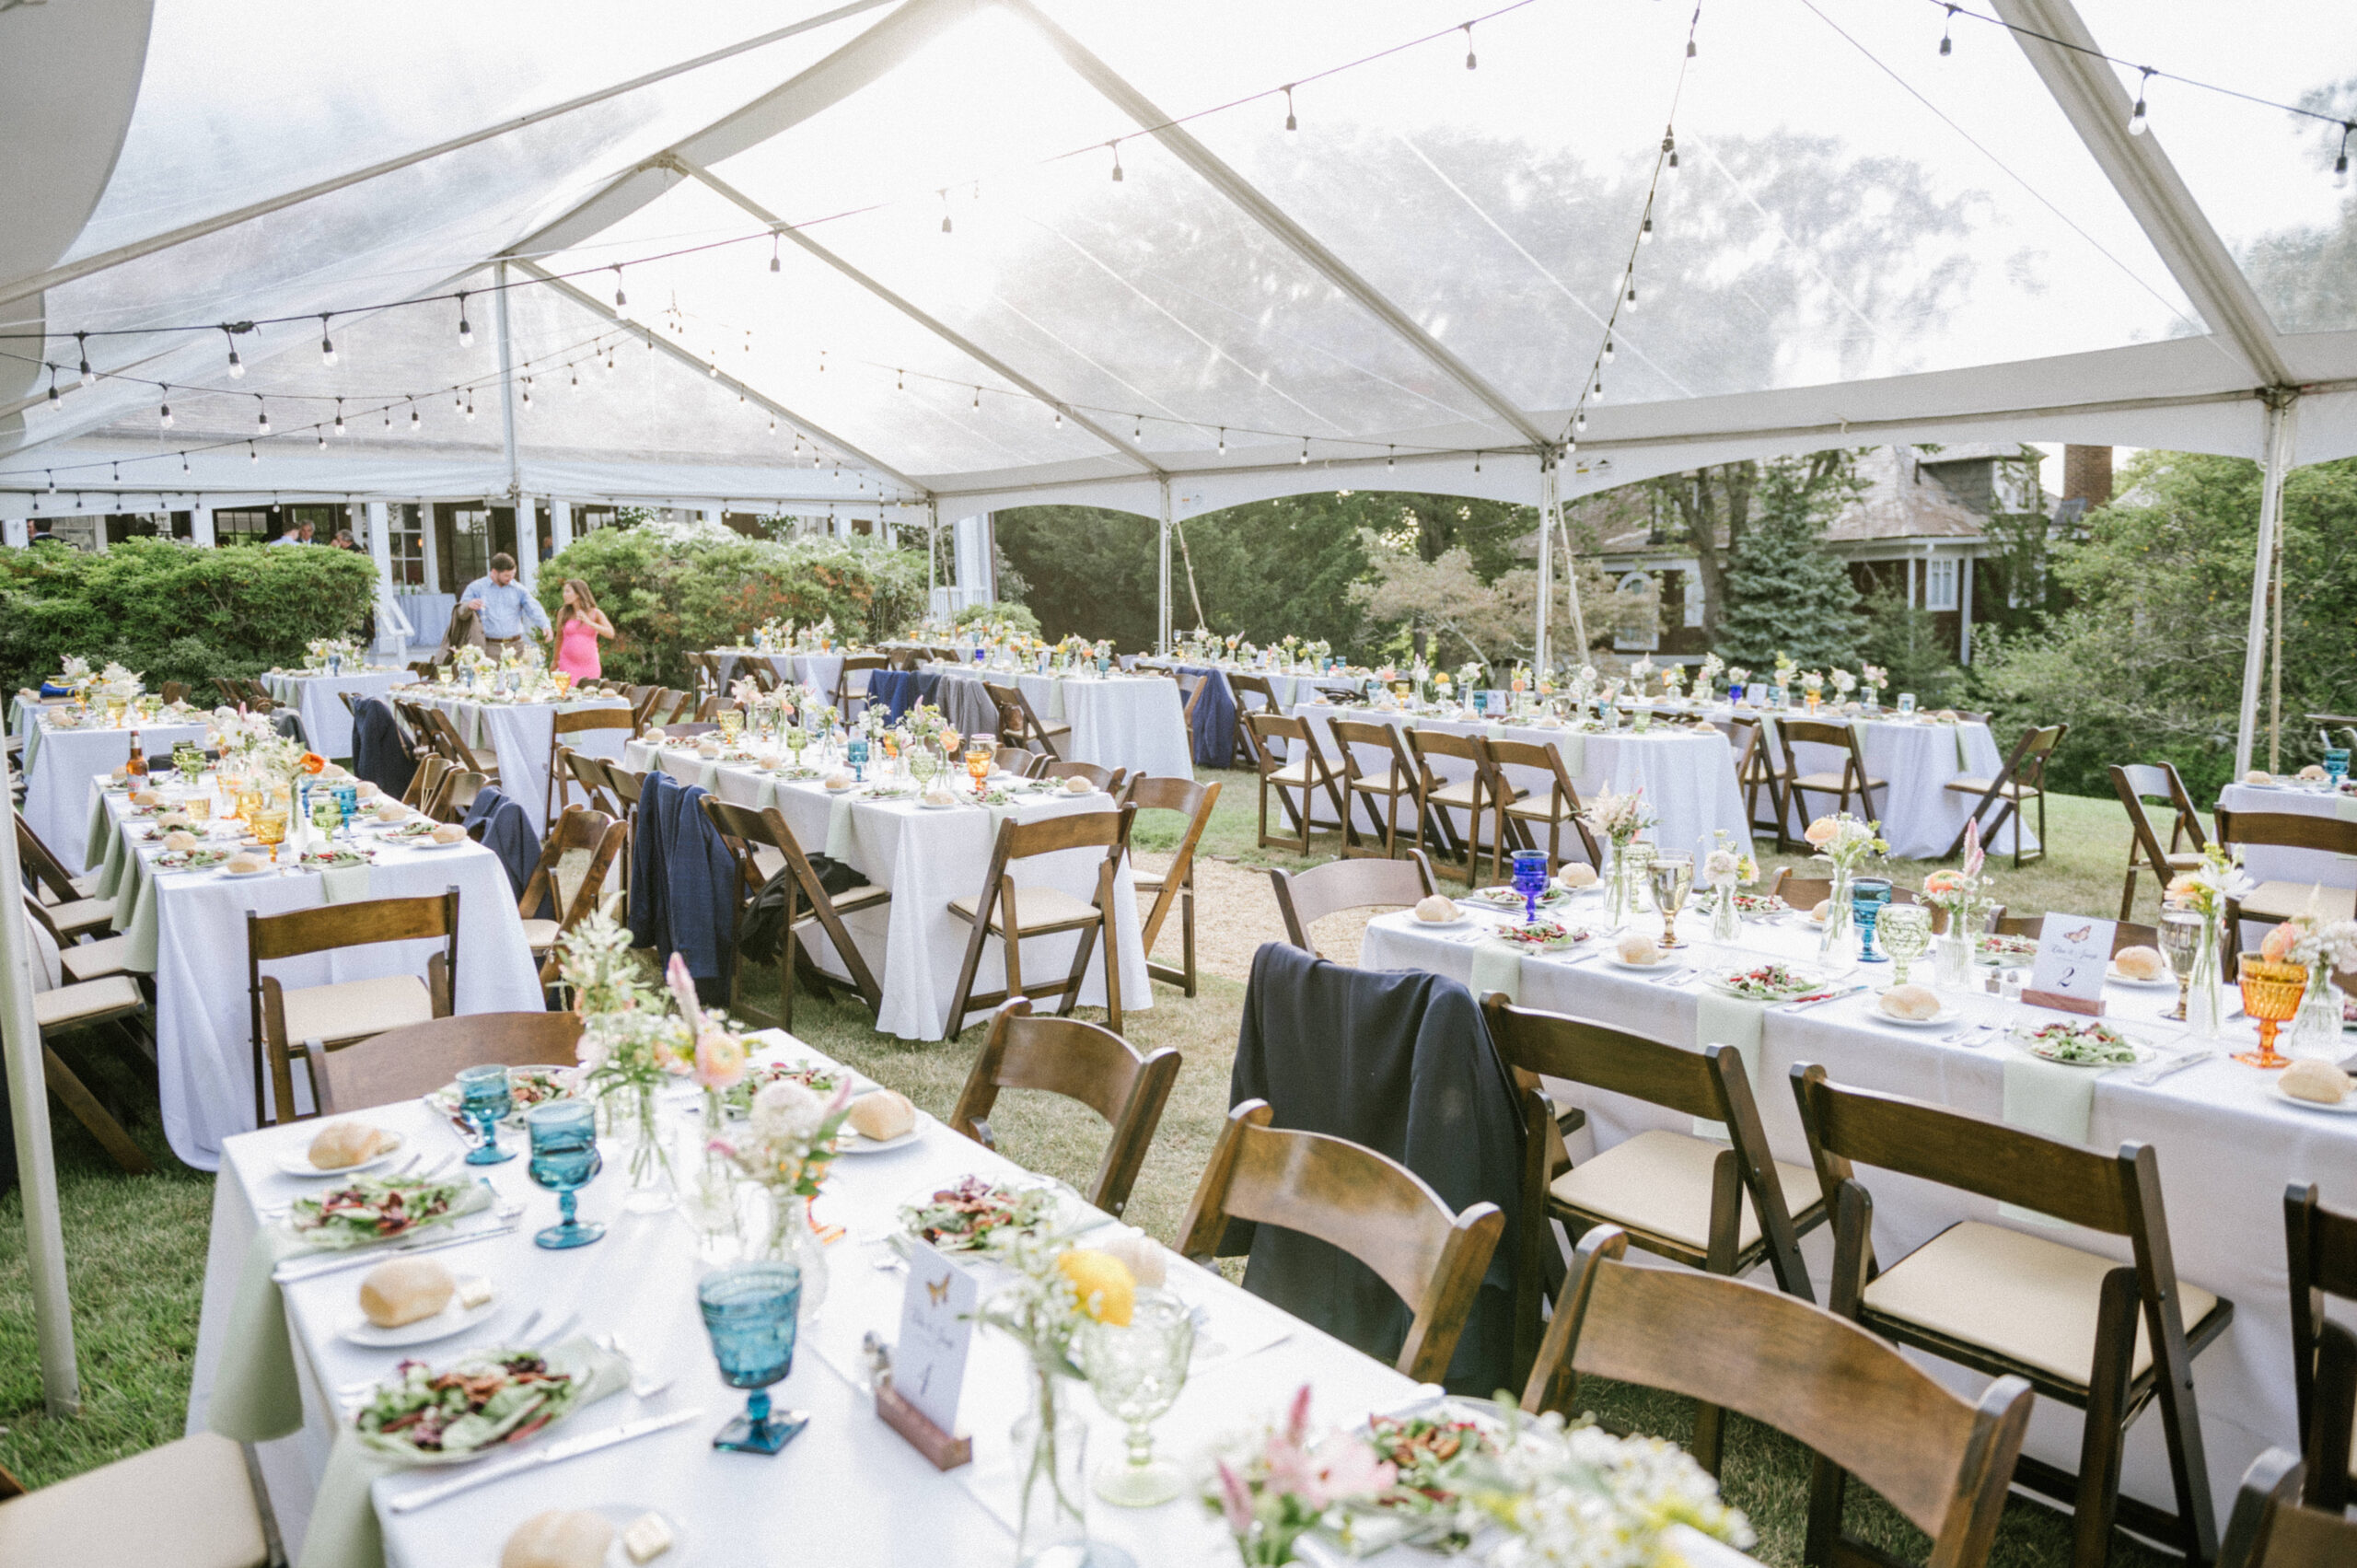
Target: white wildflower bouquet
1712,668
1737,677
1811,681
1784,669
2332,943
1844,682
1727,867
1578,1495
1620,818
1673,681
1845,841
1874,677
1641,671
75,670
2207,887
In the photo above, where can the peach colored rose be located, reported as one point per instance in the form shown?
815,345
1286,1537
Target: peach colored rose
2278,946
720,1061
1822,832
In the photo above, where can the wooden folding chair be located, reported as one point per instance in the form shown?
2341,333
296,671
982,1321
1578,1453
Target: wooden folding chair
1851,780
405,1064
2136,784
588,774
1307,897
2320,1250
1019,726
1176,882
1082,1062
1467,795
1300,766
1019,760
1364,1203
1722,1207
423,782
2021,780
1017,915
64,898
455,794
2105,1338
59,1010
198,1501
177,691
1517,821
747,832
847,691
581,848
1241,686
1754,770
1391,782
1941,1461
563,725
338,1014
1107,779
703,671
2280,898
2270,1529
454,745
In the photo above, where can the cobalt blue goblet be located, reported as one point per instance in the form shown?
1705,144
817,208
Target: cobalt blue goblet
1530,880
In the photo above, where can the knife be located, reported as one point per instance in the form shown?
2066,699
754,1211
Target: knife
572,1448
293,1273
2155,1073
1821,999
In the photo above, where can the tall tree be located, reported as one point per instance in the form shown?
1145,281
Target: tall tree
1788,593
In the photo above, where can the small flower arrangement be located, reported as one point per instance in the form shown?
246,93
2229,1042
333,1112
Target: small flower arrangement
2331,943
1874,677
1673,681
1726,867
1712,668
1737,677
1578,1495
1469,675
1275,1485
1813,682
1620,818
1641,671
1844,682
2206,888
1845,841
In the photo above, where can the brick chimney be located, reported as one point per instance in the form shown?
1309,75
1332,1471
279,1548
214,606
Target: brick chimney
2087,475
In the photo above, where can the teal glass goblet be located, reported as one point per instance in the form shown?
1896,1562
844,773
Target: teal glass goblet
751,1312
564,1159
484,1099
1867,897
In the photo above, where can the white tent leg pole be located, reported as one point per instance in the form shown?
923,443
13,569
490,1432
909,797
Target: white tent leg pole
2279,425
528,527
1546,560
1162,638
36,1161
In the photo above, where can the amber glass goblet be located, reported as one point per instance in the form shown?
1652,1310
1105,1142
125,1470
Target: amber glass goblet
2271,995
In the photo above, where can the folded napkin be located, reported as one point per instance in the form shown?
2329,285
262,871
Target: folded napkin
1496,967
1721,1019
100,834
345,883
839,837
343,1533
2051,1100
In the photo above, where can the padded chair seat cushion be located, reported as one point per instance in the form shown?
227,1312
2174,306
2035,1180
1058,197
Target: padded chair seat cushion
540,934
2025,1297
357,1008
88,960
1832,783
1384,779
2281,900
1543,808
186,1505
858,899
89,1000
1035,907
1659,1183
1295,774
2014,789
81,914
1147,881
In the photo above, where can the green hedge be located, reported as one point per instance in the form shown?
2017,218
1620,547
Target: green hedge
671,590
175,611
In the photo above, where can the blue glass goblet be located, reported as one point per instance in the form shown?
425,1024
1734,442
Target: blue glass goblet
857,754
1530,880
1735,695
2336,764
484,1099
1481,704
1867,895
750,1311
564,1159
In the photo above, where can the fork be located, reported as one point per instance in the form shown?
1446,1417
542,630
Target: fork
644,1387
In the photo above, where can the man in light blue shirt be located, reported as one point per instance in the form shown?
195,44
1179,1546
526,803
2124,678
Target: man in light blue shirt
504,606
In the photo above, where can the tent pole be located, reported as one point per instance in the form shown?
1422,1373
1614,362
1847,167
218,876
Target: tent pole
36,1162
2277,425
528,527
1546,560
1162,639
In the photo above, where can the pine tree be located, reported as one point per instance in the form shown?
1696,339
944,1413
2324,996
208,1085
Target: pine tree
1786,592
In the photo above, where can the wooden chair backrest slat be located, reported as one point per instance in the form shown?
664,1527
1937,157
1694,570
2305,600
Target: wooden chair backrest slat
2270,1529
2287,830
1019,760
1305,897
404,1064
1081,1062
1943,1463
1554,1045
298,932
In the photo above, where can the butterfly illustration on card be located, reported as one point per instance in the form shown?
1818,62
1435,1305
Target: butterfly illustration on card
938,1290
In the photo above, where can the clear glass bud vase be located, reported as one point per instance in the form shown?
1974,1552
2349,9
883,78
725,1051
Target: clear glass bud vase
1050,1441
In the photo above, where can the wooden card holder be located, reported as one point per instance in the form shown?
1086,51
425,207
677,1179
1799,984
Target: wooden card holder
946,1452
2091,1007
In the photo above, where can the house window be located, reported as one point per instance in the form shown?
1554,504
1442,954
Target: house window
1939,585
1692,584
405,536
1640,633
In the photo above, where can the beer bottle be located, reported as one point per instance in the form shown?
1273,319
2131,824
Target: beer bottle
138,767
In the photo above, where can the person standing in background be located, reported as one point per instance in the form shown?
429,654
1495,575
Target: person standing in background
504,606
579,625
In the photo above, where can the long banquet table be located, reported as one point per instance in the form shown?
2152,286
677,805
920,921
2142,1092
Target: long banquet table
1134,722
914,946
2265,862
848,1490
820,670
58,765
519,735
188,929
2228,1146
1918,758
316,695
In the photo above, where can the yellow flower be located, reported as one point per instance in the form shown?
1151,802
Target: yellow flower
1105,1287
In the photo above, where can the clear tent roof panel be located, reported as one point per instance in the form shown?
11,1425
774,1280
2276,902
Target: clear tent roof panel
2262,176
1846,232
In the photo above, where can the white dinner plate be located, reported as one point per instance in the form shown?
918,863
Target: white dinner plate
241,876
1614,960
431,842
298,1162
1945,1016
2164,982
2346,1108
452,1320
852,1143
1416,922
2143,1054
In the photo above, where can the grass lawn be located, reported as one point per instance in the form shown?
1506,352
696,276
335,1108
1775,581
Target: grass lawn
136,1246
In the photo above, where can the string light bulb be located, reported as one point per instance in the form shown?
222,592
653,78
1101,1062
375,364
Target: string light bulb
1116,147
900,380
1595,392
1669,150
527,392
470,405
1579,422
1607,350
1060,418
1947,45
977,397
2341,164
52,383
83,340
1291,123
1629,300
1477,463
53,479
327,344
1390,456
466,330
321,433
2137,124
1304,451
237,365
944,209
252,456
1645,229
261,416
1690,46
1137,428
1468,46
775,265
1223,440
415,425
621,300
339,416
164,413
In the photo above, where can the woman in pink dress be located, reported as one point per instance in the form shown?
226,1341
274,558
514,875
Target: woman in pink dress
579,625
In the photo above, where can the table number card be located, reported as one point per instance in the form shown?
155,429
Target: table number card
2073,954
937,1331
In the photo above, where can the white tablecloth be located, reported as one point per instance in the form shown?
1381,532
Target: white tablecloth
1921,816
821,670
2265,863
58,765
1687,776
519,735
914,946
326,720
428,616
204,1027
848,1490
2227,1147
1122,721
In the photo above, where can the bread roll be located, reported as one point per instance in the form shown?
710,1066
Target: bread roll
1916,1003
1576,876
145,797
390,811
707,747
447,832
1141,1255
246,864
2139,963
179,838
1637,948
2255,776
838,781
654,734
346,1144
1821,911
1078,786
559,1539
882,1116
364,790
1435,909
404,1290
2318,1081
2313,773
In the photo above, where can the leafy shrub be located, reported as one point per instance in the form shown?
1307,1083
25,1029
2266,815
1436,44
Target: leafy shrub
175,611
675,590
1019,616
